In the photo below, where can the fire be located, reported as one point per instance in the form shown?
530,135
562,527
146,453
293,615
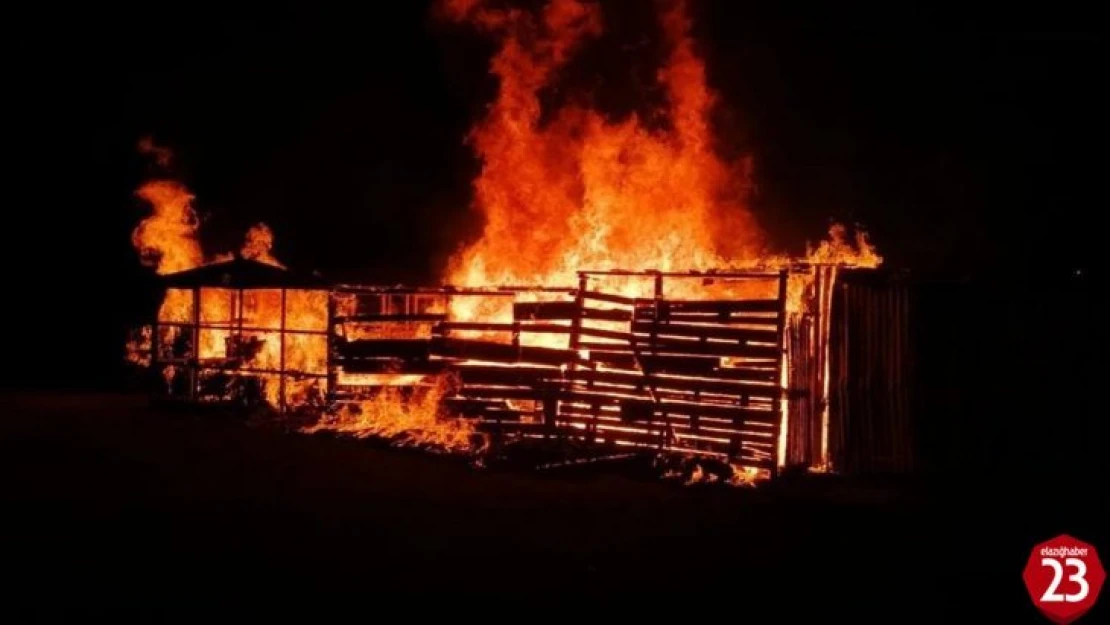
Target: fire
560,191
582,192
838,250
167,239
409,419
569,190
259,245
238,325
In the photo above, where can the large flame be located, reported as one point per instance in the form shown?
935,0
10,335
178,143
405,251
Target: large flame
566,190
581,192
167,239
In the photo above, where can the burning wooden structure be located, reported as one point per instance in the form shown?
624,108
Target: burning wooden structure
740,379
690,358
245,331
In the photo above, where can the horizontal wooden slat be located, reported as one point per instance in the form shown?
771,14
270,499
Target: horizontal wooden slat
391,365
544,310
676,346
508,376
708,331
703,366
499,352
606,314
624,359
505,392
466,406
736,413
610,298
372,318
747,319
720,306
381,348
640,381
750,437
533,328
757,429
747,374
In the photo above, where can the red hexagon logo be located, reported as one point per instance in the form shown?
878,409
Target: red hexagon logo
1063,577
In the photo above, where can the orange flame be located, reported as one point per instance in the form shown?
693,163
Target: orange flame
410,421
582,192
168,238
259,245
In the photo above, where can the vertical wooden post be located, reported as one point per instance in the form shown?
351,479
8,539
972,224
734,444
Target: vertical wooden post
783,277
154,336
816,395
575,335
239,338
281,365
194,365
332,380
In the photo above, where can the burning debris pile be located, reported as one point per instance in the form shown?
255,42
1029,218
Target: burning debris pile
621,292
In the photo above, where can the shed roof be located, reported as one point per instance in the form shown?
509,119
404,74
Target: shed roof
242,273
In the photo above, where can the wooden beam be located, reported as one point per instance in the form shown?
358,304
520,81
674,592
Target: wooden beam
543,310
499,352
717,331
409,349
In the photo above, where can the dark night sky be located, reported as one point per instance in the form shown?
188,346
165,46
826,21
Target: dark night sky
965,139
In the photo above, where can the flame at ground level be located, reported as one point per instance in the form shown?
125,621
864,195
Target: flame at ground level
411,417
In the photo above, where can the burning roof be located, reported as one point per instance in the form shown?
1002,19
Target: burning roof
243,273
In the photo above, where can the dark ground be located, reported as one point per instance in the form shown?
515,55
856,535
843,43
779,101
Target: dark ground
110,504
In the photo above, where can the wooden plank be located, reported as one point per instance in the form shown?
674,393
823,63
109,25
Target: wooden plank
507,376
606,314
391,365
720,307
532,328
735,413
373,318
499,352
544,310
504,392
640,381
723,332
749,436
671,345
384,348
689,348
752,319
762,429
611,298
471,407
624,359
748,374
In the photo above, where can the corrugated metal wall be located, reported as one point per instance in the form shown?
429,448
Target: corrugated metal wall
871,428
